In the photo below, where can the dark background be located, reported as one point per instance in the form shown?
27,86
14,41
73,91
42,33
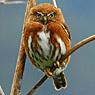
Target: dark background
80,18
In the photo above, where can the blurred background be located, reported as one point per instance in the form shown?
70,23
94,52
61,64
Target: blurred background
80,18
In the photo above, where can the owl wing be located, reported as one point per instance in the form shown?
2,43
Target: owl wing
65,27
60,80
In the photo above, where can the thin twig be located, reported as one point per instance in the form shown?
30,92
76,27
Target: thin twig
12,2
16,86
54,3
1,91
77,46
73,49
33,90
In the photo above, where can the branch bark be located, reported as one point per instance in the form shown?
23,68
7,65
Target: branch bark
16,86
1,91
54,3
72,50
12,2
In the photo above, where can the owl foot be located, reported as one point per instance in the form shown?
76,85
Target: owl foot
48,72
63,64
56,64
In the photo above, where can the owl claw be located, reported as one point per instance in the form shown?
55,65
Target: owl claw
48,72
56,64
64,64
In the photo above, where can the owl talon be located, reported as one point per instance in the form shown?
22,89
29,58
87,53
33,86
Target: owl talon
56,64
48,72
63,64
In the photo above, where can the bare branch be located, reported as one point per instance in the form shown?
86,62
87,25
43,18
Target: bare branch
77,46
1,91
30,4
33,90
73,49
54,3
12,2
16,86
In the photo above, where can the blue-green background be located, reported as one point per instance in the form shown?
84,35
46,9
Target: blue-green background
80,17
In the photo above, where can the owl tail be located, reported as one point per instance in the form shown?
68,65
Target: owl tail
60,81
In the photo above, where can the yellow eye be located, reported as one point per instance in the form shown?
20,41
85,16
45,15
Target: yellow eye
38,15
52,15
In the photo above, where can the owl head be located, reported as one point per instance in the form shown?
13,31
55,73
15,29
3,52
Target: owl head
45,13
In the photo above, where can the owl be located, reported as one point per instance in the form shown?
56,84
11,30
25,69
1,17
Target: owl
46,39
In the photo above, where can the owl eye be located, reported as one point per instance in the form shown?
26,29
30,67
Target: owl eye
52,15
38,15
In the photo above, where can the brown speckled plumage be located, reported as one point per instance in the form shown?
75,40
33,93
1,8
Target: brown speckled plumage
46,41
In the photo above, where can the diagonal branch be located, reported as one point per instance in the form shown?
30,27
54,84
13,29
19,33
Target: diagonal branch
77,46
54,3
12,2
72,50
1,91
16,86
40,82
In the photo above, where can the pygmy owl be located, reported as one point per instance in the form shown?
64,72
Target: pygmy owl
46,39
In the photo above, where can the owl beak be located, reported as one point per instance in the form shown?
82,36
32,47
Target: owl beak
45,20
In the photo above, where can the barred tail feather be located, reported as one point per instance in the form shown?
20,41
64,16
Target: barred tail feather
60,81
